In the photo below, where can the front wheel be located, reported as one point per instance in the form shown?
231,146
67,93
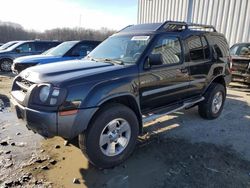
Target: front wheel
212,106
5,65
111,136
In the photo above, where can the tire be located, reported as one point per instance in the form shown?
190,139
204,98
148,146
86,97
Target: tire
99,153
207,108
5,65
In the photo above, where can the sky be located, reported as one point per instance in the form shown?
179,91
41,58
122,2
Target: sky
48,14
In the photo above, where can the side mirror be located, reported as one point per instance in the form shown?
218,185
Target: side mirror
155,59
18,50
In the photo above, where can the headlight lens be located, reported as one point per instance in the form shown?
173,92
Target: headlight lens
44,93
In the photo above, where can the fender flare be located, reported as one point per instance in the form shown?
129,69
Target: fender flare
211,81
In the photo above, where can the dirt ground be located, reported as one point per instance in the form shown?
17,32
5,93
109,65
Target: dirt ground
178,150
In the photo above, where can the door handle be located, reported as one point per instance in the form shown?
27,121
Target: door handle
184,70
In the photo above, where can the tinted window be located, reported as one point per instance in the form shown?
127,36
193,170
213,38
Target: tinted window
205,47
220,45
81,50
43,46
26,47
169,48
195,48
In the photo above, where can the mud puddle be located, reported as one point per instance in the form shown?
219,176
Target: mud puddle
157,162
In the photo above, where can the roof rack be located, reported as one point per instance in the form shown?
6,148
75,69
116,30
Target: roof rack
180,26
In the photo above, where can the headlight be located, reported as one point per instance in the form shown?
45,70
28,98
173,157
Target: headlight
44,93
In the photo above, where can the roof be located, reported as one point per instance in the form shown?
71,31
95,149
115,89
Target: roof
167,26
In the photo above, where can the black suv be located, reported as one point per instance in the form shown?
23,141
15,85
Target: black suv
23,48
138,74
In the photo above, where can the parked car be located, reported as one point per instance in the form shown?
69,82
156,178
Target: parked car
23,48
66,51
241,62
136,75
8,44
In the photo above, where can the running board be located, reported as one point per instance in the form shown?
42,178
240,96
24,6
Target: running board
162,112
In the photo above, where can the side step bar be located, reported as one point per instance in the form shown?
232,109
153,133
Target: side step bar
154,116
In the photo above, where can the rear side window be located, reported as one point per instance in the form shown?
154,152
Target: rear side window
40,46
169,48
195,48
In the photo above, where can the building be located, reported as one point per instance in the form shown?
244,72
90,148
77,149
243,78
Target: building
230,17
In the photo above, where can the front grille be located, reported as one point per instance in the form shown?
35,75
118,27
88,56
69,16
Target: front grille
19,67
24,84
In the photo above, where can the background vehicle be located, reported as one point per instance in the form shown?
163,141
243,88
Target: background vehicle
136,75
241,62
8,44
66,51
23,48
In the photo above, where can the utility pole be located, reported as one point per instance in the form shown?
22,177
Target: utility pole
190,11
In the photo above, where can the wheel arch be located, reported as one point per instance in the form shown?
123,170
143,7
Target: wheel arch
220,79
126,99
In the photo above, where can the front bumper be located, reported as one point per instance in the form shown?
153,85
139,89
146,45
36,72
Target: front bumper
49,124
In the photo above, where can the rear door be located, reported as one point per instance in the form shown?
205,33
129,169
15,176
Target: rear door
167,83
199,63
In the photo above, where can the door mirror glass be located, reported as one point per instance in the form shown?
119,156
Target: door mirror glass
155,59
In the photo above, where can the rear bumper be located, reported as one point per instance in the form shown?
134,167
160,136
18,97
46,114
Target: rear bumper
49,124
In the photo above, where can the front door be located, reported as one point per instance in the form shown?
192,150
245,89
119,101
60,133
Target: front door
164,84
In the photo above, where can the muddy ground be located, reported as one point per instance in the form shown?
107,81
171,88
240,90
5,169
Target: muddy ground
178,150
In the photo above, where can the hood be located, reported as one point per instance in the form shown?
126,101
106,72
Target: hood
4,51
57,73
35,58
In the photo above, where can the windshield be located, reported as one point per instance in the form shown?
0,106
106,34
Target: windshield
240,50
126,49
62,49
7,45
48,51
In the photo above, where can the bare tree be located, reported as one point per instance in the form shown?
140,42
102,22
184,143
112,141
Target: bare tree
11,31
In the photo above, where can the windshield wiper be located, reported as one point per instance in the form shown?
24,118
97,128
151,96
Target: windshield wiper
115,61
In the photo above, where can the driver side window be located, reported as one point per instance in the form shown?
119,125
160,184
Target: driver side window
27,47
169,48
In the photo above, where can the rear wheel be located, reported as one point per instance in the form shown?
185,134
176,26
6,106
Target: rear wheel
111,136
212,106
5,65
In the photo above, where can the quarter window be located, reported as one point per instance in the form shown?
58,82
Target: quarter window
169,48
